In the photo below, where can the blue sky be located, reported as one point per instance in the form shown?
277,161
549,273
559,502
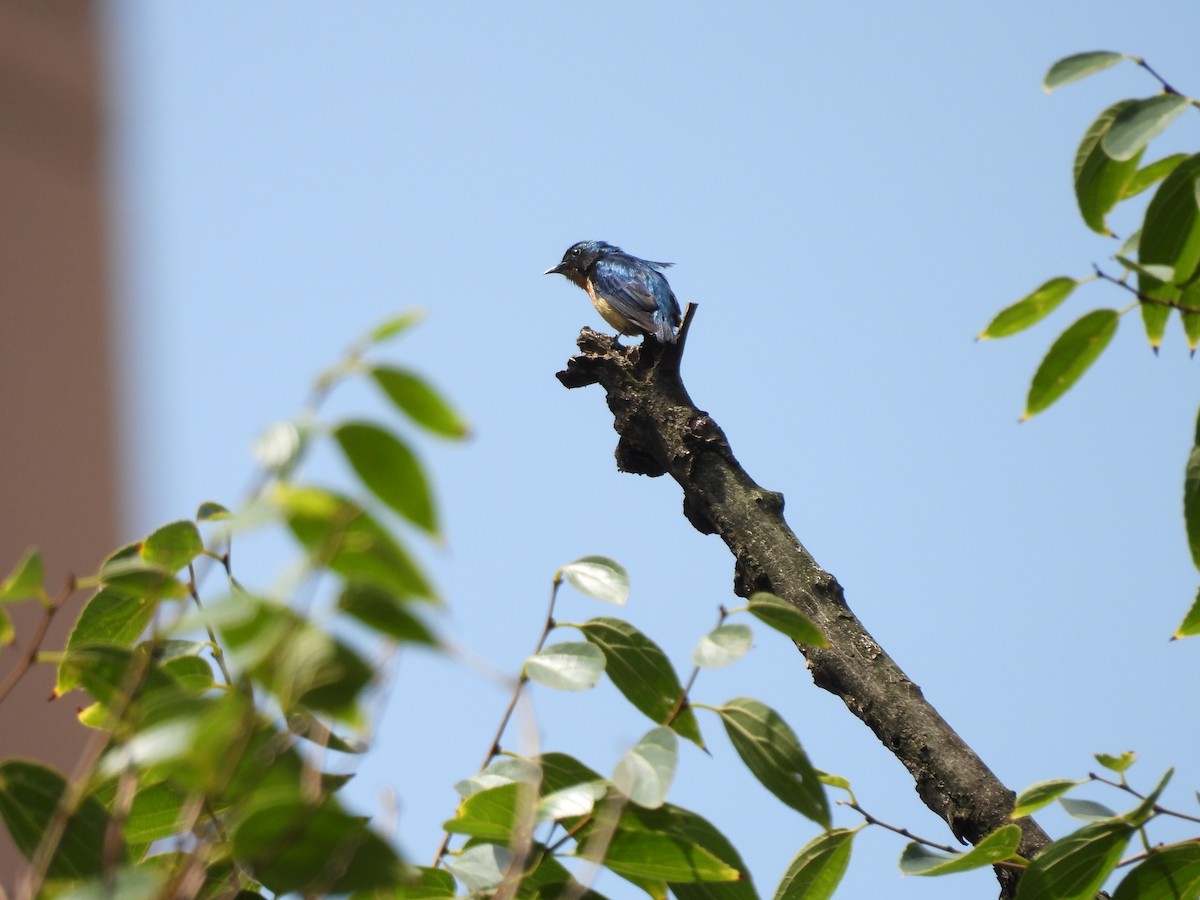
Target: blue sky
849,192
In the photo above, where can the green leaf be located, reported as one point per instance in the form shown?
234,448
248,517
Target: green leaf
414,397
501,770
1191,499
1074,867
390,470
1140,123
1030,309
572,802
212,512
29,797
1080,65
1141,813
1150,175
115,674
1000,845
140,883
723,646
560,771
385,613
1070,356
295,660
338,533
645,773
1167,873
818,868
7,632
1100,180
108,618
1120,763
397,324
155,814
173,546
25,581
785,618
1191,622
771,751
480,867
637,852
1190,297
1170,237
1088,810
136,577
642,673
567,666
424,883
1153,271
494,814
1038,795
598,577
297,846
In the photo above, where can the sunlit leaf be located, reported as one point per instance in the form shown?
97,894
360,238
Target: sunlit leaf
643,674
1190,625
598,577
571,802
1170,237
645,773
1117,763
1100,180
494,814
390,470
107,618
1001,844
1069,357
638,852
1079,65
1140,123
26,579
480,867
723,646
771,751
1074,867
173,546
785,618
1039,795
1167,873
413,396
1146,807
1088,810
567,666
817,869
397,324
338,533
1148,176
1031,308
212,512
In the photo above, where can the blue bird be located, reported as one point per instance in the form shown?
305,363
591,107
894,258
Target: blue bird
630,293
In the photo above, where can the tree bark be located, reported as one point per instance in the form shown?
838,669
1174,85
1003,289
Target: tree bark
663,433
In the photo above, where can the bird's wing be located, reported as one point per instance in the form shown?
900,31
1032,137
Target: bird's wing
632,288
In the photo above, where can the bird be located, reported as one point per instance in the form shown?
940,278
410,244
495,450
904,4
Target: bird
630,293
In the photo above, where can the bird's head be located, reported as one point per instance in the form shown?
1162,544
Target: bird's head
579,258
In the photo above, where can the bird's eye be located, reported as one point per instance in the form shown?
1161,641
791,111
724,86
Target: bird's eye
574,251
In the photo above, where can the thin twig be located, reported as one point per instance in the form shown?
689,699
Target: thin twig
681,703
35,642
903,832
522,679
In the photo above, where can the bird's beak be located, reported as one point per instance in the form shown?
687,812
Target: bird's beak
554,270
